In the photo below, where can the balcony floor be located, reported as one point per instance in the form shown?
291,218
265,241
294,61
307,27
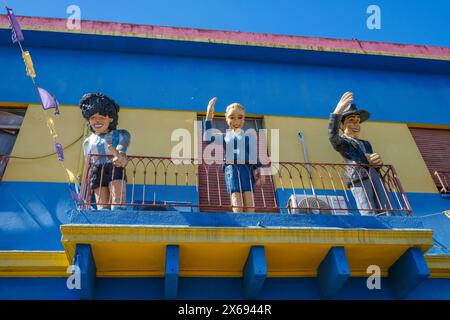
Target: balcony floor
133,243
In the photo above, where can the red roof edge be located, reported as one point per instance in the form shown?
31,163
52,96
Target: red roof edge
232,37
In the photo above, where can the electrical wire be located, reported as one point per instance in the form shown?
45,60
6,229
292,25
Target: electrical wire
47,155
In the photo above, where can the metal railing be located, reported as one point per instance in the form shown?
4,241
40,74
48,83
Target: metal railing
158,183
444,181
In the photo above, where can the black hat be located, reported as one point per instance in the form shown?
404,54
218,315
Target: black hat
92,103
352,110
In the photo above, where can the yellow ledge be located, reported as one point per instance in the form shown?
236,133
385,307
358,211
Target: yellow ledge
139,251
33,264
221,252
439,265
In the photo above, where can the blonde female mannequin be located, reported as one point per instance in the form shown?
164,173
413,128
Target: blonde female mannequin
241,177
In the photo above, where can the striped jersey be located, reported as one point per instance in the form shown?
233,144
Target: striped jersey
97,144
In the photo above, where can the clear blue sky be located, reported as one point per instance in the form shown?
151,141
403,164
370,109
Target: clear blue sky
402,21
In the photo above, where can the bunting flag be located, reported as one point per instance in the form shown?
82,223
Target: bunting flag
75,194
17,35
51,127
29,64
70,176
48,100
59,151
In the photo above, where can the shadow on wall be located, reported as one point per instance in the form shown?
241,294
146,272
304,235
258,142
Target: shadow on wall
32,213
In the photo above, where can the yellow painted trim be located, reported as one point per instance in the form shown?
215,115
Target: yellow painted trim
200,112
43,264
112,243
129,233
13,105
439,265
33,264
231,42
27,104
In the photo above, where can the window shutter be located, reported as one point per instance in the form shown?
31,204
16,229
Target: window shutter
434,145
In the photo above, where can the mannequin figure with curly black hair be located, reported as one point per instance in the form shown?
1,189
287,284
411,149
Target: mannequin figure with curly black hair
108,178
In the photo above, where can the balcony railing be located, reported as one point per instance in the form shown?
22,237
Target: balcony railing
444,181
159,184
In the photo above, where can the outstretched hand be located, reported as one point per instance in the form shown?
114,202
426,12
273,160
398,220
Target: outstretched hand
210,110
120,159
374,159
346,99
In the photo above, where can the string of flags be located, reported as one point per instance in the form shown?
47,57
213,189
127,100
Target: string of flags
48,100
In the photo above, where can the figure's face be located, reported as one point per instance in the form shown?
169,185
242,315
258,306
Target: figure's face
352,126
235,118
100,123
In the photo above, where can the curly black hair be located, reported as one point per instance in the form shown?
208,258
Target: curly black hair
92,103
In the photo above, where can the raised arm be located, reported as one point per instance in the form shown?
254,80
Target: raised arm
210,109
335,120
210,134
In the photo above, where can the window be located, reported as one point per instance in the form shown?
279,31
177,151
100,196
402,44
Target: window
10,122
434,145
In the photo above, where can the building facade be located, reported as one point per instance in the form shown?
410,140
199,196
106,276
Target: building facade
177,239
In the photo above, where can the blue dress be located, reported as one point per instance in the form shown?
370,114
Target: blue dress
241,157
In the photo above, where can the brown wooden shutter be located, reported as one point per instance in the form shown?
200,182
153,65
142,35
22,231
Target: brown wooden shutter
434,145
218,200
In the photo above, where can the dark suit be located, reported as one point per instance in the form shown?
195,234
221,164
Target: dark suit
349,150
353,151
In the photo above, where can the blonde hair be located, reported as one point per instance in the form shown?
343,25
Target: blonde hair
234,105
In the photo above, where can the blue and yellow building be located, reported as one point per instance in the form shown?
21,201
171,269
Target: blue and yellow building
163,78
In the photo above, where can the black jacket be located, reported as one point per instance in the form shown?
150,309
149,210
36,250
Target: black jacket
349,150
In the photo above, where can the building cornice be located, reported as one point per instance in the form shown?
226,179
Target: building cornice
353,46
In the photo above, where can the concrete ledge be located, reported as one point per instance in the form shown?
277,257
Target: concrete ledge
223,251
197,219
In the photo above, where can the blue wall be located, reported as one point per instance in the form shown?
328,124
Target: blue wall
293,88
200,288
32,212
31,220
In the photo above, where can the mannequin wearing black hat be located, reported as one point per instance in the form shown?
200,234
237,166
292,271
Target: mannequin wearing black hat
364,182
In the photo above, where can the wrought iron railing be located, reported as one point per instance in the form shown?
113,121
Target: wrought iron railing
444,181
158,183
